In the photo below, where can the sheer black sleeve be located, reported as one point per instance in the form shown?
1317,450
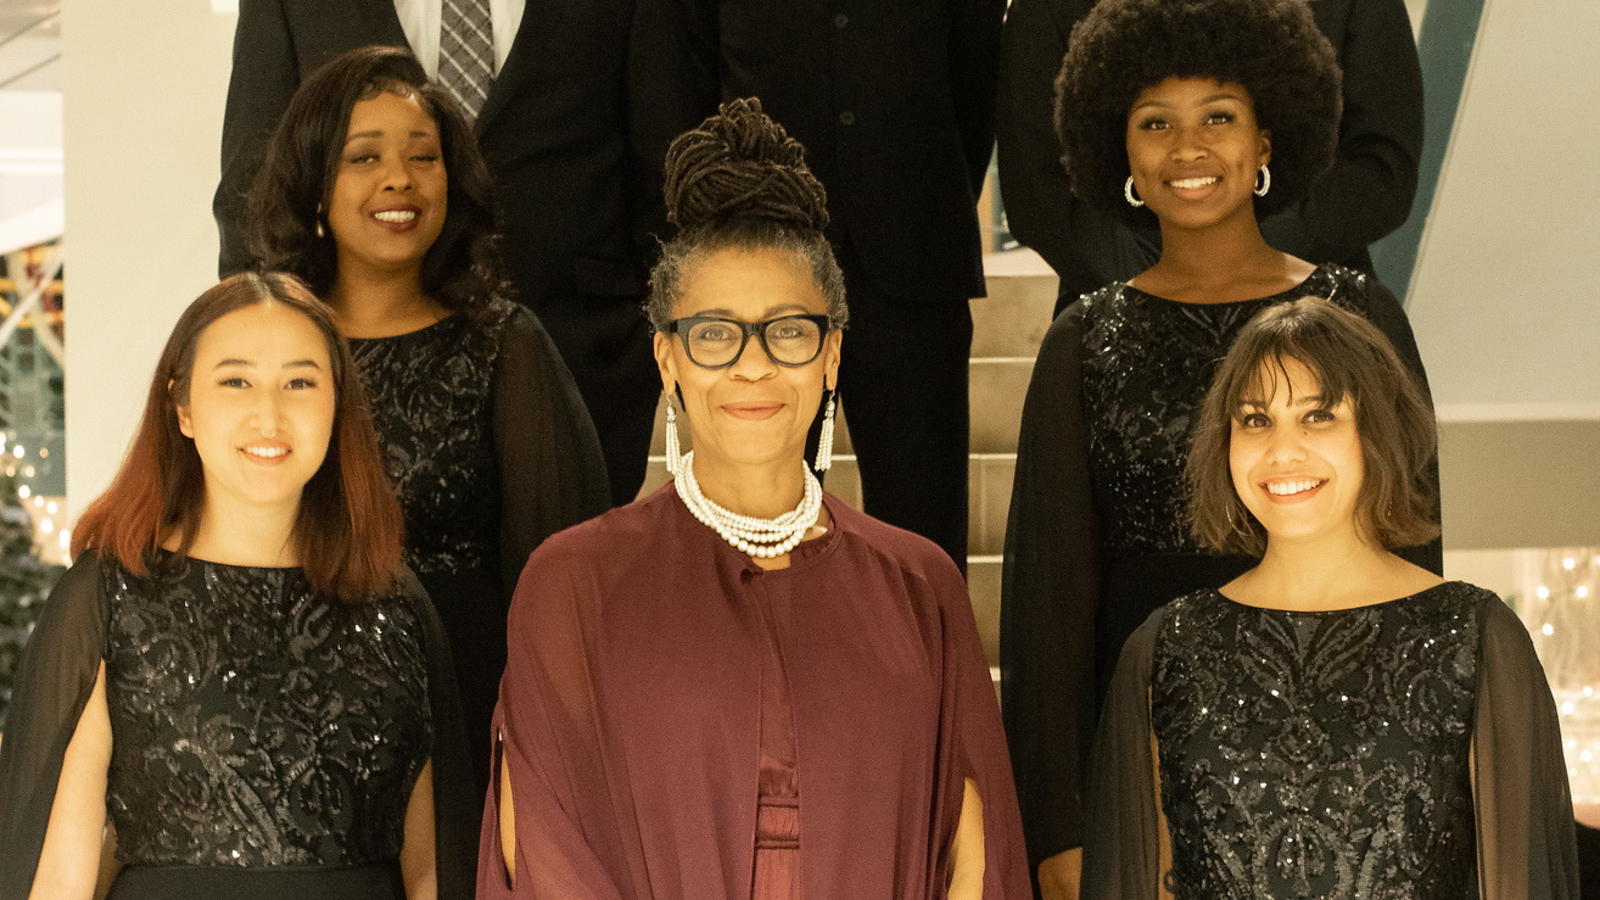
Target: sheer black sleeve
1122,853
455,806
54,679
1527,846
1049,592
1384,311
552,474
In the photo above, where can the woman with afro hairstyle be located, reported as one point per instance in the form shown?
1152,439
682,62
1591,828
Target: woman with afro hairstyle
1206,115
738,688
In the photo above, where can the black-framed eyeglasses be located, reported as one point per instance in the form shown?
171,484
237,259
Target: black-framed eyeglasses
713,342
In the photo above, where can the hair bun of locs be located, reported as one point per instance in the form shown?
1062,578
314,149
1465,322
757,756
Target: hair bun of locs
741,164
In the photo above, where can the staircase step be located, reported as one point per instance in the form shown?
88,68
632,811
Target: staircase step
1012,320
983,583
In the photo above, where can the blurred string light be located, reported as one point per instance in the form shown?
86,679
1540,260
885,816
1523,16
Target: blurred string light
1563,617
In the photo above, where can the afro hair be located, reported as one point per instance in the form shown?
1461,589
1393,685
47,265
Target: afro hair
1271,47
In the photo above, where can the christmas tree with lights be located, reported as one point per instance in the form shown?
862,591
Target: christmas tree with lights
25,582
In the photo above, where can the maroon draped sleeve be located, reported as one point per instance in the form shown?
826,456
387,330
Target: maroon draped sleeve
973,746
546,728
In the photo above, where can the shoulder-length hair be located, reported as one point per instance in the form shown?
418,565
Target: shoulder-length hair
348,532
1350,358
289,197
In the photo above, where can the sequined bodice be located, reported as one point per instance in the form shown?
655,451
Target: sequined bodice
1320,754
431,402
254,725
1147,364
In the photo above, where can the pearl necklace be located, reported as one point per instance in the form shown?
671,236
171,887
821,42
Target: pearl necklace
763,538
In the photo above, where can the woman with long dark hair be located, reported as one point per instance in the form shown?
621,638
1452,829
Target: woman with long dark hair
237,675
373,191
1205,116
738,687
1336,721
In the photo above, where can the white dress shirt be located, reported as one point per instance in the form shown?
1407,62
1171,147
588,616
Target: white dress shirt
420,21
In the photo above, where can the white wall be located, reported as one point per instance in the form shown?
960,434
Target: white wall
145,84
1505,302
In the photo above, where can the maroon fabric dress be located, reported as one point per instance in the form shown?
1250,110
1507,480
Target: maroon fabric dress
653,753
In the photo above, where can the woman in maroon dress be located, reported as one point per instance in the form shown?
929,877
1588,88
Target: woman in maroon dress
737,687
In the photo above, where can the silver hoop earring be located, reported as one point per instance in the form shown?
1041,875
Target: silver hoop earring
1266,181
825,437
674,458
1127,193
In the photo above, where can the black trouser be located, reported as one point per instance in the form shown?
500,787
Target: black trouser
605,342
903,386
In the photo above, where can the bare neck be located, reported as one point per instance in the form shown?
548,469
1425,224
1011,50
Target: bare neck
1335,571
1221,263
239,534
765,490
381,303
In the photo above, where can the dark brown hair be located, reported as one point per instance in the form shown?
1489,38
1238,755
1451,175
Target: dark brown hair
462,269
349,528
1271,47
1350,358
740,182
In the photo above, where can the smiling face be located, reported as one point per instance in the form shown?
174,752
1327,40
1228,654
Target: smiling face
388,200
1193,148
260,406
754,411
1296,460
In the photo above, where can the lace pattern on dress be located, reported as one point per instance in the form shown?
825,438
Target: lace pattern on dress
1319,754
1147,364
430,392
256,725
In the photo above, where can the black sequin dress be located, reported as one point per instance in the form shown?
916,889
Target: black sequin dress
265,743
1096,536
1406,750
491,451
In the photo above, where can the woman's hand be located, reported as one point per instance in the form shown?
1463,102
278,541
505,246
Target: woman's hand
1059,875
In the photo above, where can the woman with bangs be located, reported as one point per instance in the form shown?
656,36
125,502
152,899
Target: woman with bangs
1335,721
374,193
238,690
1207,115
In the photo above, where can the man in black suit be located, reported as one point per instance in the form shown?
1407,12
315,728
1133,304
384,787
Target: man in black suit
1364,196
553,130
894,102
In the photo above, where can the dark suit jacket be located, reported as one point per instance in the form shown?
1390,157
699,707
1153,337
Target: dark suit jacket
893,99
553,132
1364,196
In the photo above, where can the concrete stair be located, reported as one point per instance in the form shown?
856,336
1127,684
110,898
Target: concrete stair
1007,327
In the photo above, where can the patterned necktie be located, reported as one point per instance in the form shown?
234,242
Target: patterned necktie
466,52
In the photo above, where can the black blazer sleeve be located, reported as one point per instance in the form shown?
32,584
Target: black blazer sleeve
552,473
1367,193
1049,592
974,68
673,84
1038,197
265,75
